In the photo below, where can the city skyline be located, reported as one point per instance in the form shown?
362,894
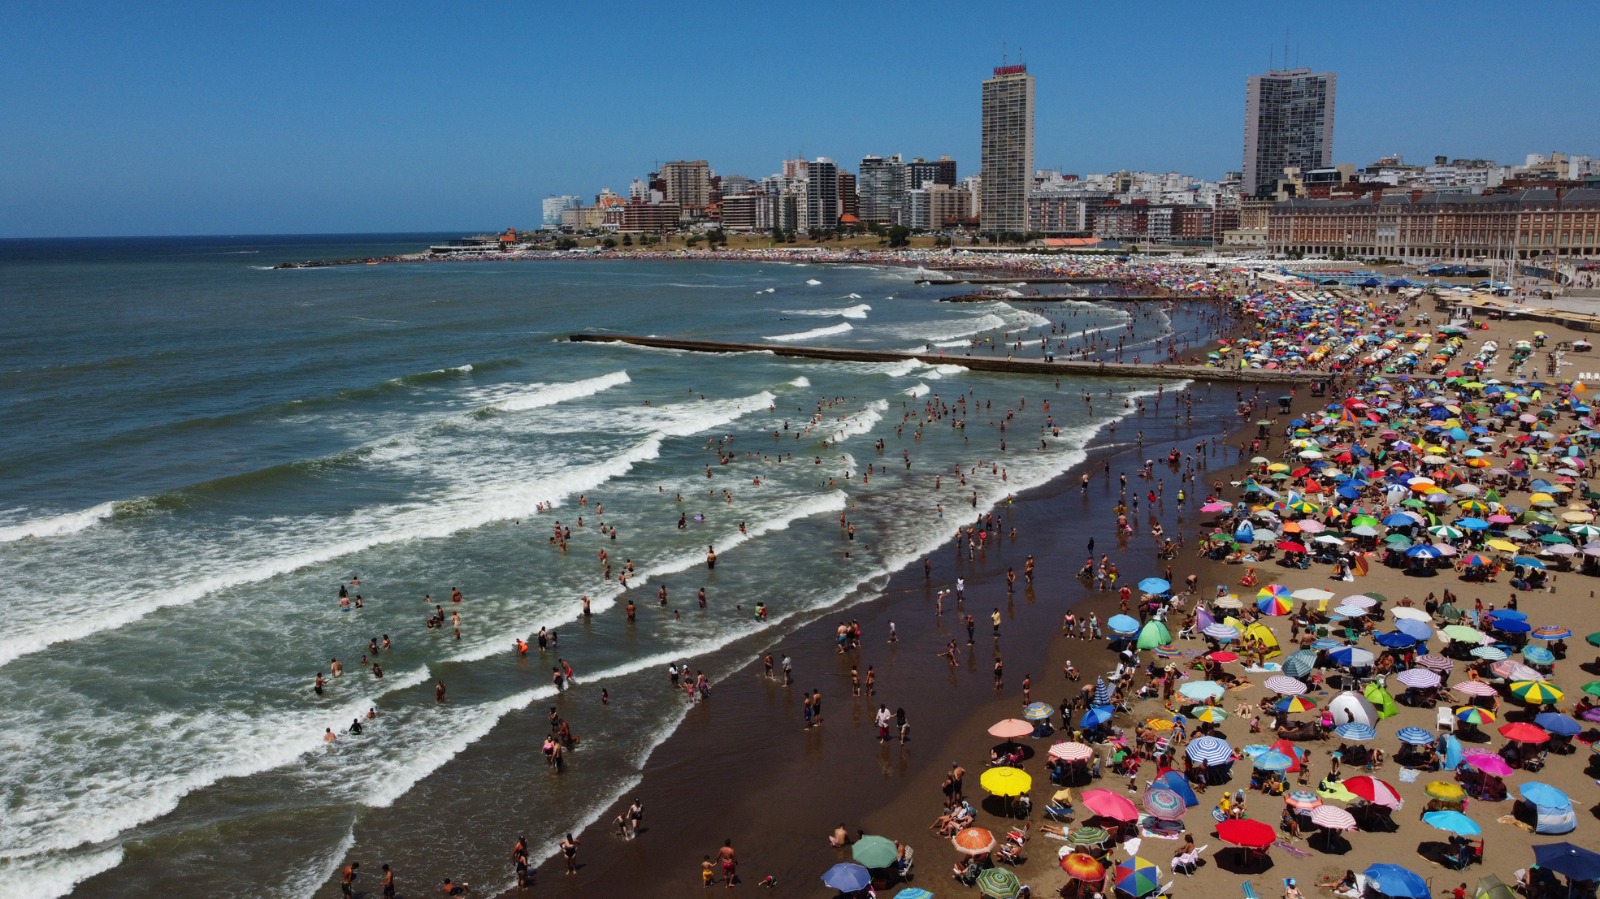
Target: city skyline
184,119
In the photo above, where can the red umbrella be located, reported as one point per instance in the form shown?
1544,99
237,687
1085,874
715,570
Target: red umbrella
1082,866
1523,732
1110,805
1289,546
1222,655
1288,749
1247,833
1373,790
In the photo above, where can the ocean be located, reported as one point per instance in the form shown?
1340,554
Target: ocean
203,450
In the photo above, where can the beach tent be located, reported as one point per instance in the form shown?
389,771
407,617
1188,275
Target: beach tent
1177,783
1269,642
1381,700
1348,707
1554,819
1450,758
1492,887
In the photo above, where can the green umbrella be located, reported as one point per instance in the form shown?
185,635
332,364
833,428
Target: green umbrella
1592,688
998,883
1594,638
1154,634
874,852
1089,836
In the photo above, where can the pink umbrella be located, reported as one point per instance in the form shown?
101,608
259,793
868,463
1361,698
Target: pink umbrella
1011,729
1487,762
1473,688
1310,526
1374,790
1216,507
1501,519
1110,805
1072,752
1333,818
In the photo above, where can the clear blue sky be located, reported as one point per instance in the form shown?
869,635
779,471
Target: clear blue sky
287,117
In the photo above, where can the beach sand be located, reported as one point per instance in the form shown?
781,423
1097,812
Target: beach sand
742,767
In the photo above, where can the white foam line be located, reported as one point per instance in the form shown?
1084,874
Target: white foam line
50,877
320,868
840,328
551,394
857,311
58,525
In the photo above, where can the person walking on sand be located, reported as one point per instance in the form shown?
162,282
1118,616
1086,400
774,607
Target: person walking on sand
730,862
569,851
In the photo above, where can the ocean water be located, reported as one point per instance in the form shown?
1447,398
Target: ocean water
202,450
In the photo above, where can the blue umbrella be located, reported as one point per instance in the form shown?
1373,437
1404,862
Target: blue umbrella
1272,760
846,877
1393,880
1174,781
1395,640
1511,627
1508,615
1416,736
1357,731
1096,716
1399,520
1538,655
1557,723
1214,750
913,893
1349,491
1471,524
1455,822
1424,551
1528,562
1102,692
1544,794
1300,664
1572,862
1352,656
1126,625
1411,627
1154,585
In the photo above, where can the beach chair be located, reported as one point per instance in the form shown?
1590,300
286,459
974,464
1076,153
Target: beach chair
1249,891
1058,811
1187,863
1010,853
905,866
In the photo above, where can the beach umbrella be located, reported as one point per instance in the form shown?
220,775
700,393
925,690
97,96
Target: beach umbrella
847,878
1312,594
1102,691
1164,803
1538,655
1492,653
1460,633
1006,781
1523,732
1543,794
1154,585
1246,832
1072,752
1333,817
872,851
1177,783
1274,590
1513,670
1419,678
1272,760
1212,507
1089,836
1351,657
973,841
1408,613
1096,716
1395,640
1209,749
1038,711
1536,692
1551,632
1572,862
1292,704
1593,639
1445,791
1435,662
1231,601
1154,634
1211,714
1083,866
1557,723
1454,822
1304,800
920,893
1222,633
1414,628
1010,729
1415,736
1299,664
1138,877
1393,880
1373,790
1474,715
1447,531
1222,655
1357,731
1592,688
1284,685
999,883
1126,625
1275,605
1111,805
1486,761
1202,690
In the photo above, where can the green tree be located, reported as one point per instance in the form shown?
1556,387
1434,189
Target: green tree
899,236
609,243
627,240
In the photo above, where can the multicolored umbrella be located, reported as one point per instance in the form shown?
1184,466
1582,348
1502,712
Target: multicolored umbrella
1474,715
1138,877
1374,790
1294,704
1038,711
1164,803
1536,692
999,883
1304,800
1082,866
1551,632
1089,836
1211,714
1275,605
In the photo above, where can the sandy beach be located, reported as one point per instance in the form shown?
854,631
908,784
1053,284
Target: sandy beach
744,768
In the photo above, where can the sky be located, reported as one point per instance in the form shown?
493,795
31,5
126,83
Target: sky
161,118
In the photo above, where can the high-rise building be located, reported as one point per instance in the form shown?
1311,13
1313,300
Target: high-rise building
940,171
688,184
1288,121
849,201
881,185
552,209
1007,167
822,195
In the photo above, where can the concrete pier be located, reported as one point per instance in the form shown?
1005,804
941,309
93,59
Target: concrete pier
976,363
1021,279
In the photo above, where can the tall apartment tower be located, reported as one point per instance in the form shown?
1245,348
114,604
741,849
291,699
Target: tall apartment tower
881,185
1007,167
688,183
1288,121
822,195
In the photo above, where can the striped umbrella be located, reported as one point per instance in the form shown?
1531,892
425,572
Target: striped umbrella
1211,714
1351,657
1083,866
1471,714
1038,711
1419,678
1300,664
1138,877
1272,760
1373,790
1275,605
999,883
1222,633
1357,731
1552,632
1447,531
1210,750
1164,803
1304,800
1274,590
1166,652
1513,670
1473,688
1538,655
1089,836
1536,692
1492,653
1284,685
1333,817
1415,736
1102,692
973,841
1435,662
1072,752
1294,704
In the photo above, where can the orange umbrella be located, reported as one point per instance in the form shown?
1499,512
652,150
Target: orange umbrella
1082,866
973,841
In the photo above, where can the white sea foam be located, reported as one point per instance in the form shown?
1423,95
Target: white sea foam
952,328
52,876
858,311
549,394
320,868
813,282
801,381
840,328
58,525
901,369
920,390
859,423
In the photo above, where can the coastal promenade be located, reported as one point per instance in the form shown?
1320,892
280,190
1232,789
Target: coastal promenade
976,363
954,278
1091,298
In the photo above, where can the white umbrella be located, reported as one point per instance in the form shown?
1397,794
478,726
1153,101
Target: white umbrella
1312,594
1411,612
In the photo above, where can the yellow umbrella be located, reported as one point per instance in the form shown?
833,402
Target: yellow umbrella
1445,790
1578,517
1006,781
1159,724
1541,498
1502,545
1277,466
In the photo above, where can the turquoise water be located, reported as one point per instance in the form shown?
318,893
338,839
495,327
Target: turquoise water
203,449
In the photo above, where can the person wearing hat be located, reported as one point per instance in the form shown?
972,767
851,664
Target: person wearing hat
1290,891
